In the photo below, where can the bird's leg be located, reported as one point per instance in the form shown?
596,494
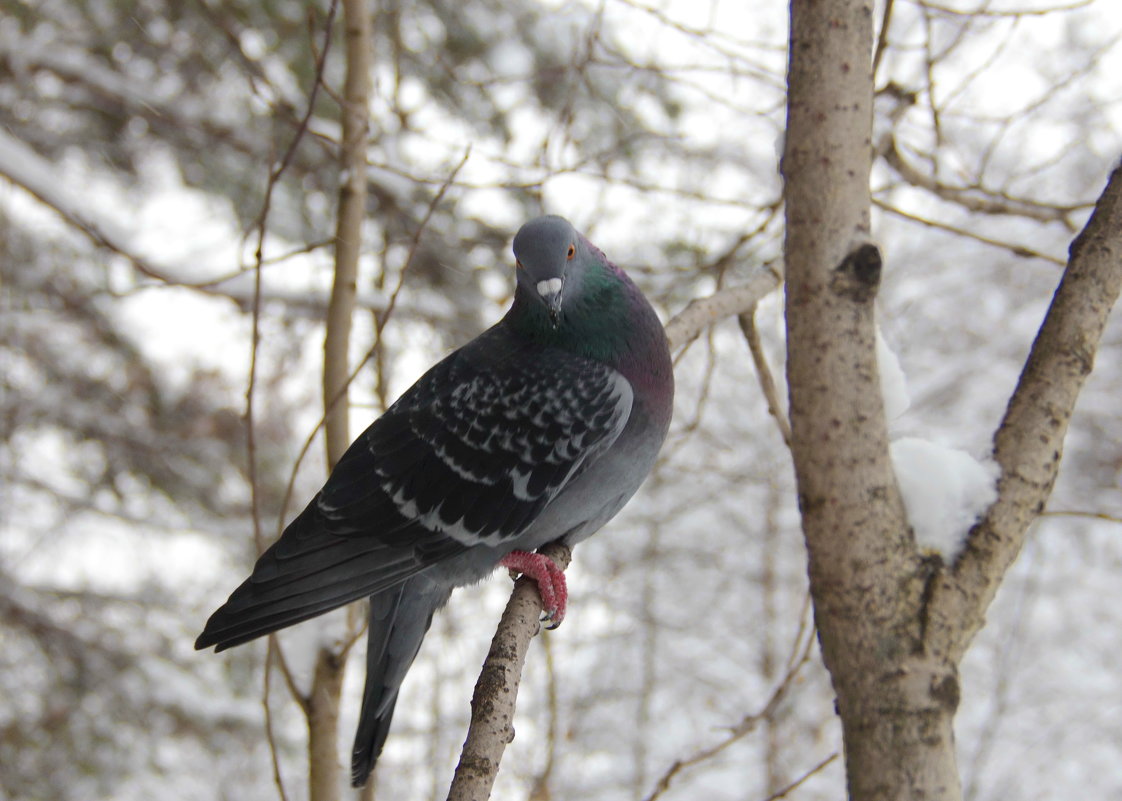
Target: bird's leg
550,580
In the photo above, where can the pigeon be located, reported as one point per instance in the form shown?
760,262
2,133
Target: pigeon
538,430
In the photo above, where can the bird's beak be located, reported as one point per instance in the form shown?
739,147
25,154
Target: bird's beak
551,292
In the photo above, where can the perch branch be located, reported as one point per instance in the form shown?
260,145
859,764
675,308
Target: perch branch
496,691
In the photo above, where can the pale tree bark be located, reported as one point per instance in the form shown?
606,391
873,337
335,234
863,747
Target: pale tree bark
700,314
867,579
322,708
893,625
348,225
1029,442
496,691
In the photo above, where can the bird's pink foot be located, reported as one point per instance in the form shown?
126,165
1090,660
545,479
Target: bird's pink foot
550,580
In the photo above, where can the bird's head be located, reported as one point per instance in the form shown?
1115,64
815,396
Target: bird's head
551,258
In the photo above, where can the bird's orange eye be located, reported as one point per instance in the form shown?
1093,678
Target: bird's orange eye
572,252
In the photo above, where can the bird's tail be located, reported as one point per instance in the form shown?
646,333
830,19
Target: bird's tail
399,620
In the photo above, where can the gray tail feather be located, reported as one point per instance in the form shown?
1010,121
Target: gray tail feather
399,620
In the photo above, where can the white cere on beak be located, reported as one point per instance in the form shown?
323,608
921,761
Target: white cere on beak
549,287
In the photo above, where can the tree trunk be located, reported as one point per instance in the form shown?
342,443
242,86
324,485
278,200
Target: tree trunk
892,623
327,682
348,226
868,581
322,711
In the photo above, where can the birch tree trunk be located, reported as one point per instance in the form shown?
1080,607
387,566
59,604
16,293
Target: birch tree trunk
893,624
327,683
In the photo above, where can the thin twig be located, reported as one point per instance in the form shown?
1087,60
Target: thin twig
294,690
214,283
1077,513
1020,251
882,36
381,320
977,199
783,792
302,128
539,790
1001,14
747,725
416,242
747,322
250,421
270,732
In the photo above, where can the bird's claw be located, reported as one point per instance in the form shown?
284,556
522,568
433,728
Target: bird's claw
549,578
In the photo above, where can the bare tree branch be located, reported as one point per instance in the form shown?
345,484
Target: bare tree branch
1018,250
348,229
270,725
977,199
882,36
1029,442
496,691
1077,513
1004,14
27,169
688,324
747,322
785,791
799,657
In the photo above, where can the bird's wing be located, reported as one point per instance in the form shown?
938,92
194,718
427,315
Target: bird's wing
474,455
470,455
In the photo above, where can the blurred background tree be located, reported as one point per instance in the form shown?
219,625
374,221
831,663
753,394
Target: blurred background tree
137,141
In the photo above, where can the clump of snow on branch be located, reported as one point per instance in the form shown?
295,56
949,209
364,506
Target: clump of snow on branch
944,490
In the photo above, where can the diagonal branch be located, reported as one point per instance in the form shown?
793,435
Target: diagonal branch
1016,249
496,691
701,313
799,658
1028,444
747,322
977,199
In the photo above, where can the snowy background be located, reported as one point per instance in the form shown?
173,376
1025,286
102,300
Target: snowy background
136,139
